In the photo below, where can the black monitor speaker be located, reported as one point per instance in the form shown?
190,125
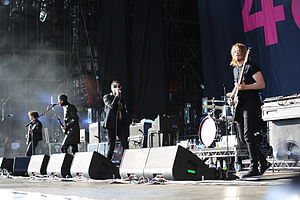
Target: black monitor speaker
93,165
20,166
171,162
59,165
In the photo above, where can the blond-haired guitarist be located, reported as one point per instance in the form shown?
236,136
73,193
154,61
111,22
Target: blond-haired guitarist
248,80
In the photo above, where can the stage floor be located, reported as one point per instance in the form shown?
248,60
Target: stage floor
35,188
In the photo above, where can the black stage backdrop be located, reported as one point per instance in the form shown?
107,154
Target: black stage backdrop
114,45
148,59
270,27
134,54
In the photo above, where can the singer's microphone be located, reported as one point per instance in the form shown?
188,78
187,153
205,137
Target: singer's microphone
54,104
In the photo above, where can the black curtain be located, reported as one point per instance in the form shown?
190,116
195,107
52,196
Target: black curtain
148,60
220,28
272,28
134,55
114,45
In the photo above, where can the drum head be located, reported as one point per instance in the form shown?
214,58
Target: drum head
207,131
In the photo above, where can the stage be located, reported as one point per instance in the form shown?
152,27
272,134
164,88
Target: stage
81,188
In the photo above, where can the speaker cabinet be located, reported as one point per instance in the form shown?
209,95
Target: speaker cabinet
171,162
38,165
97,133
59,165
284,130
6,163
133,162
138,134
176,163
282,134
93,165
20,166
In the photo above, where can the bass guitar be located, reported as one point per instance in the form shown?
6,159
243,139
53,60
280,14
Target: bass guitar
236,103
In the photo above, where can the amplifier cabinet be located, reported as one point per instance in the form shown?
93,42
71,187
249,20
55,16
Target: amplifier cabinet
283,130
278,108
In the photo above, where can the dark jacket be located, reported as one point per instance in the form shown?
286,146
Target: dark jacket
71,120
111,110
37,130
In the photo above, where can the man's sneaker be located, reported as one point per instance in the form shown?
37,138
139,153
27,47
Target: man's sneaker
264,167
251,173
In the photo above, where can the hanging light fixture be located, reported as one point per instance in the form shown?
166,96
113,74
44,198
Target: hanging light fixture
43,12
6,2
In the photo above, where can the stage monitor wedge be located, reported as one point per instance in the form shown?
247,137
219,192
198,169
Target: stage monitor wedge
170,162
38,165
133,162
176,163
59,165
6,163
20,166
93,165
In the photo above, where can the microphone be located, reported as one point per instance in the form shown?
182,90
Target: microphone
10,115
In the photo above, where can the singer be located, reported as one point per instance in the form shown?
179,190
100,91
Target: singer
116,120
71,125
248,80
34,134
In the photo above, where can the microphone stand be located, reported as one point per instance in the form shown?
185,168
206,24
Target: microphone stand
226,130
50,107
117,117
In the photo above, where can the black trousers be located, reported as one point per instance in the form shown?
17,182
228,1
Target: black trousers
122,133
248,123
29,150
64,148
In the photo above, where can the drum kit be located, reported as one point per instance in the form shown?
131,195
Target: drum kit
217,123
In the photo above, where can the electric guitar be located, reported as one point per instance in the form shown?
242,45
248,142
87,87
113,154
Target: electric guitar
29,135
61,124
235,105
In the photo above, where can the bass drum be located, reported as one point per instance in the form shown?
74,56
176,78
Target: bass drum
209,130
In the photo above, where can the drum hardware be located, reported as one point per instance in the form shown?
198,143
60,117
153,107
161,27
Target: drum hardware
226,113
214,101
228,95
213,107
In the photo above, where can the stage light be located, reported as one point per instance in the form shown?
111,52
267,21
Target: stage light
43,15
43,11
6,2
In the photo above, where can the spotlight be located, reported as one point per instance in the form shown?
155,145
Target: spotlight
6,2
43,15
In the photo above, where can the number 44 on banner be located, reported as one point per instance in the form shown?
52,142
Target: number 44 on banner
267,18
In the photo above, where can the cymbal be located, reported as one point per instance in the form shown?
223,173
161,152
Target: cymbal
214,101
228,94
213,107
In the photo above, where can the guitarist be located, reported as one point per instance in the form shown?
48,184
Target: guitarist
34,134
70,127
247,113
